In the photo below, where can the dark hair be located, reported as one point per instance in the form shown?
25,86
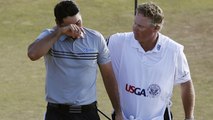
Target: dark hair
64,9
153,12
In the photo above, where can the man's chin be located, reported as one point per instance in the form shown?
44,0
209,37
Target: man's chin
136,37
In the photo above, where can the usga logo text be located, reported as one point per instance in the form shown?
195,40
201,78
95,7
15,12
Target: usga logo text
135,90
152,91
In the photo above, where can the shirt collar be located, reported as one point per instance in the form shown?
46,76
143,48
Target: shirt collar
157,48
63,37
158,45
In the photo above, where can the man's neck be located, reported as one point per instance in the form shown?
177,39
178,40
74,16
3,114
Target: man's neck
150,44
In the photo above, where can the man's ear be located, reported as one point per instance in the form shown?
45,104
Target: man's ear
157,28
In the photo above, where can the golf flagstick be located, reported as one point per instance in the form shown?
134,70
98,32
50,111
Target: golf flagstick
136,4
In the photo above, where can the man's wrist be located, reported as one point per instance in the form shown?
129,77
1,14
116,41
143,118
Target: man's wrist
118,112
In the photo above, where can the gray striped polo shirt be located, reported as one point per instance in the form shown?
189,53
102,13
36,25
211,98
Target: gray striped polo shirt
71,67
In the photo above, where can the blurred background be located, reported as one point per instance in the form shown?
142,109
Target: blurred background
188,22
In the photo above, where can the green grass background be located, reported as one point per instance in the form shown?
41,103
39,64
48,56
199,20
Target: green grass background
188,22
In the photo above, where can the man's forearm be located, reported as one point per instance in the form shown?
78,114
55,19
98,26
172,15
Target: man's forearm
111,86
188,98
39,48
112,90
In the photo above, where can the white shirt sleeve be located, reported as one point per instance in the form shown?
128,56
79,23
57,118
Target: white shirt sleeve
115,45
182,68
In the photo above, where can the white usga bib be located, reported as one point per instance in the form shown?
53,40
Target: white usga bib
145,79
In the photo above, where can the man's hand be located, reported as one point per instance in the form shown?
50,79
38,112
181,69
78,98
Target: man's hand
71,30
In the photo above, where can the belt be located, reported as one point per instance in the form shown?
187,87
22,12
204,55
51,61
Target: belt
73,108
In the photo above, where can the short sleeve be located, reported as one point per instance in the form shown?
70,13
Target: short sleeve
103,56
44,33
182,68
115,44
